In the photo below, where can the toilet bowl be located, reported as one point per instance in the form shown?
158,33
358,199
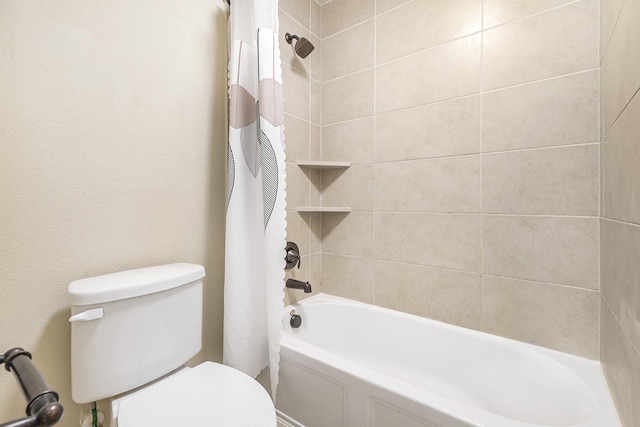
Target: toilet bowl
131,334
209,394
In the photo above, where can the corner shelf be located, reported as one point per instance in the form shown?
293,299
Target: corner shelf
325,209
322,164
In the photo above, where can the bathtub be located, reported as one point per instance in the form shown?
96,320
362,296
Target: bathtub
354,364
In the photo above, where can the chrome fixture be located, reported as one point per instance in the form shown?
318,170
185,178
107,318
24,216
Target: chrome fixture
43,409
292,257
296,284
303,47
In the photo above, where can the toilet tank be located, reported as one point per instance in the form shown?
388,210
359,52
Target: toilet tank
132,327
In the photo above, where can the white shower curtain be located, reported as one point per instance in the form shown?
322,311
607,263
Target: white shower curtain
255,223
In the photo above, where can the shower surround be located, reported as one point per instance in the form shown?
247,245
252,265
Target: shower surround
478,195
473,132
620,222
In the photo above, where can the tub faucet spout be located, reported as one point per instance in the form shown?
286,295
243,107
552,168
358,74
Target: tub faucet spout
298,284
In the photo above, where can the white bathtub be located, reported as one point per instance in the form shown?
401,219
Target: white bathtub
354,364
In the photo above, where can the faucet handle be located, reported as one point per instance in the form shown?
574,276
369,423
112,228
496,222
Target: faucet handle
292,257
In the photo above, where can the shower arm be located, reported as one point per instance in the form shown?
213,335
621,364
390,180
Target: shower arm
43,409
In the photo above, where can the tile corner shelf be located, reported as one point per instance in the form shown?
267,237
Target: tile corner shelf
338,209
322,164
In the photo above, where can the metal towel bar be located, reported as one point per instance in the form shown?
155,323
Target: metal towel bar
43,409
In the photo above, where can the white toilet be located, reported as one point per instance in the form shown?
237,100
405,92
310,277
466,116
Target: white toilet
131,333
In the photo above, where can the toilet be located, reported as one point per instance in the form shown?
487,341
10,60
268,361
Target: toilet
131,334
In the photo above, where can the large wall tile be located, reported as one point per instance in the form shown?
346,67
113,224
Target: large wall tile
348,52
452,70
558,317
314,176
315,17
386,5
551,181
340,14
446,295
437,240
298,9
348,98
315,107
560,250
609,12
620,259
348,234
419,25
441,185
296,93
315,233
621,64
621,157
559,111
433,130
298,187
349,141
298,231
560,41
500,11
621,364
339,185
296,132
348,277
601,204
315,58
315,142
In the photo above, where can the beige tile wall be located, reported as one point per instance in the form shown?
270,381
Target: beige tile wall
620,222
303,120
473,129
480,132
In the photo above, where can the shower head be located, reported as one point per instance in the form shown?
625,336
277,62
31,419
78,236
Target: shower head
303,46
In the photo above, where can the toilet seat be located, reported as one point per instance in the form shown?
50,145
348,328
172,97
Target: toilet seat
207,395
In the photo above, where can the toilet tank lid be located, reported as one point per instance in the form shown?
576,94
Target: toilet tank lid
133,283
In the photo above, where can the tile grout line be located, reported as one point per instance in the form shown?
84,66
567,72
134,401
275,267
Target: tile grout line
497,89
619,116
374,88
454,98
622,328
482,154
310,148
351,27
319,217
489,214
464,271
621,222
541,12
613,29
600,175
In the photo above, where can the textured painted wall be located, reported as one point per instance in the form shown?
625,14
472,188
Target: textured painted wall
112,141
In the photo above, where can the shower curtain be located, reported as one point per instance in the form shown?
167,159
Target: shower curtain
255,222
